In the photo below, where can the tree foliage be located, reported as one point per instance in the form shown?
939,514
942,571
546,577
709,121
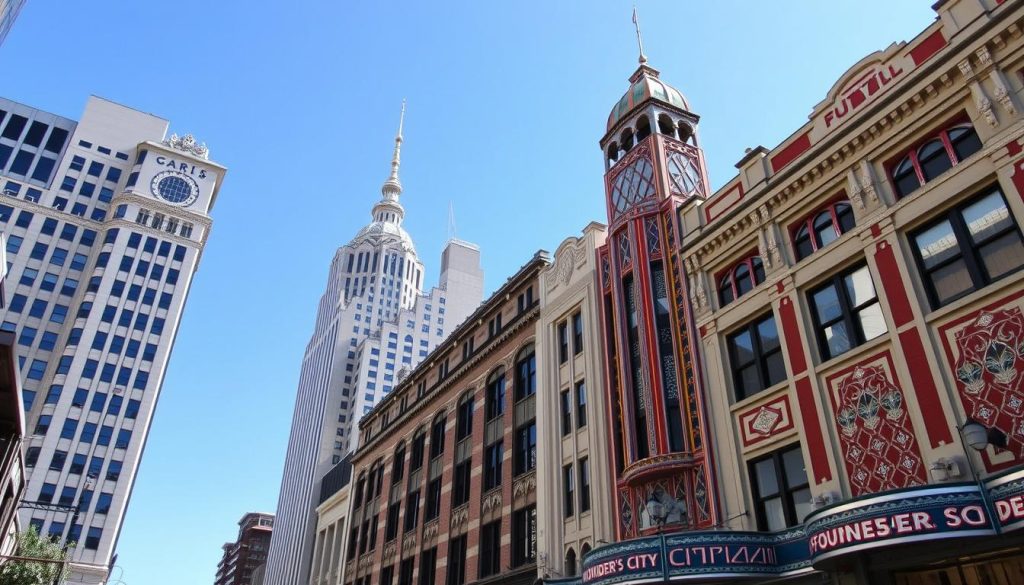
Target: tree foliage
32,545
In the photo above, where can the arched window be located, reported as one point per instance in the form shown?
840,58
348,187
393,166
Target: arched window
666,126
398,464
584,551
932,158
570,563
495,394
643,128
526,373
613,152
626,138
685,132
822,228
740,279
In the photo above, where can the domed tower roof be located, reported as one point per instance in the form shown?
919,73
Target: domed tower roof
388,213
645,85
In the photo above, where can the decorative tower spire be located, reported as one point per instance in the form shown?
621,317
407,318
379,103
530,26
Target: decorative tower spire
639,38
393,187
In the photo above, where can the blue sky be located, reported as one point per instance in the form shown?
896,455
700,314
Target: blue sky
300,100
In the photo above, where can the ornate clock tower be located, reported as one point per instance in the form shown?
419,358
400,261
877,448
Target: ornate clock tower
662,463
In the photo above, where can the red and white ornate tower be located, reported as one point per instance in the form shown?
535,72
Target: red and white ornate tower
661,461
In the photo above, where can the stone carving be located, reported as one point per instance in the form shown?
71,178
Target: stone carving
460,516
389,550
188,144
409,543
492,501
867,182
965,68
984,56
525,486
1002,94
430,530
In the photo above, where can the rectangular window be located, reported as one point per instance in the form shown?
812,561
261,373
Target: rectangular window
566,402
568,490
464,420
526,448
433,499
493,456
428,566
581,404
405,571
563,342
391,528
846,312
412,510
461,483
457,561
782,496
577,333
967,248
490,549
584,466
755,355
524,536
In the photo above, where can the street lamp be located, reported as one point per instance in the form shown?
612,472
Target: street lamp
978,437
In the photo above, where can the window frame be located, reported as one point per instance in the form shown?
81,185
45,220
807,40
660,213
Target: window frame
807,226
847,311
761,358
786,491
911,155
729,278
968,248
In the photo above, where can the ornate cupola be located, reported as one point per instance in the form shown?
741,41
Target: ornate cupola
653,166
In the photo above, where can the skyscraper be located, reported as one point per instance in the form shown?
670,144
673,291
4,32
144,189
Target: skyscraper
105,222
9,10
374,323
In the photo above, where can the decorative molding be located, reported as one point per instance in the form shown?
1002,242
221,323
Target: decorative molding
390,548
409,543
187,143
430,530
491,501
524,486
459,517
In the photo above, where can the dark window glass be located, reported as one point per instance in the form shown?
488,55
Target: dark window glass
846,312
782,496
464,422
933,158
22,161
566,403
568,491
584,485
461,483
490,549
55,143
755,355
15,126
821,229
36,131
493,456
967,248
495,394
526,374
433,499
581,404
457,561
577,333
524,536
526,448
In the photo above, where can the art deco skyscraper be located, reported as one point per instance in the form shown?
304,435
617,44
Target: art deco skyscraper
105,223
373,323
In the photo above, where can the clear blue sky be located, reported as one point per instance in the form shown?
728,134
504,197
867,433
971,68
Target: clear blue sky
300,101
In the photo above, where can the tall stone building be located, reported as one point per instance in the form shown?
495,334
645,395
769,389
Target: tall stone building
248,552
105,219
374,322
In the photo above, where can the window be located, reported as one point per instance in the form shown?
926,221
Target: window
490,549
937,155
92,541
457,561
77,464
391,528
566,401
428,566
846,312
461,483
495,394
437,437
398,465
782,496
740,279
412,510
433,499
524,536
405,571
416,459
493,456
563,342
581,404
822,228
69,428
755,355
570,563
526,447
584,485
577,333
464,420
526,374
967,248
58,460
568,490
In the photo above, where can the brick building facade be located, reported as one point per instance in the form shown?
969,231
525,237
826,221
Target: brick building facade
444,480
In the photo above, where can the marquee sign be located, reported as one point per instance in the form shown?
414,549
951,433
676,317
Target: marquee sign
917,514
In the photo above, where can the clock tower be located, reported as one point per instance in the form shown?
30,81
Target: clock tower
662,463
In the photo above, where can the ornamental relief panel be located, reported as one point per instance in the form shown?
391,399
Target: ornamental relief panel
880,448
765,422
633,183
985,352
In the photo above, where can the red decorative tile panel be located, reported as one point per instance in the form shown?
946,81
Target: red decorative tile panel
791,151
928,47
879,446
762,422
986,353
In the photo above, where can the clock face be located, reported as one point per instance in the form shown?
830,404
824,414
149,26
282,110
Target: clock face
175,188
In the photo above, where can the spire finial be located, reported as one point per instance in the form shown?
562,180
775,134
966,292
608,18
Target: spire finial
639,38
397,158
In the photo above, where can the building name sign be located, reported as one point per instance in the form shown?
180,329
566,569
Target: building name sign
181,167
917,514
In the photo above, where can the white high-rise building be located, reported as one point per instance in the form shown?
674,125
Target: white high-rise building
105,222
373,322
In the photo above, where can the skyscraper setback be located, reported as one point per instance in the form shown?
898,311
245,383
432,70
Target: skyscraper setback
105,220
373,324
